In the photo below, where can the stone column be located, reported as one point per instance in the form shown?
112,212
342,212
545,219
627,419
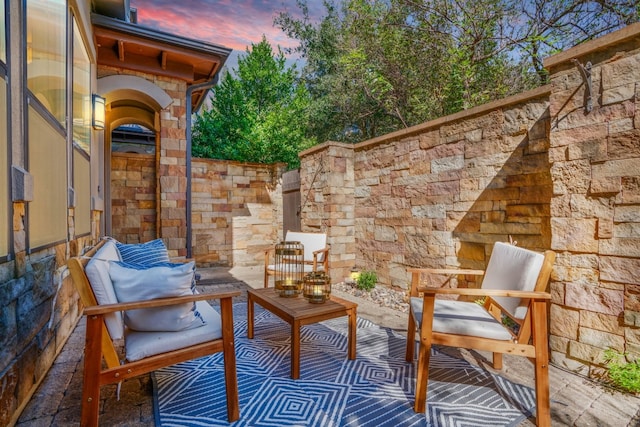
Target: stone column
327,192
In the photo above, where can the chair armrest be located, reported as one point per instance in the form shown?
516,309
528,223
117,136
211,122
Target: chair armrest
325,260
159,302
446,271
484,292
416,272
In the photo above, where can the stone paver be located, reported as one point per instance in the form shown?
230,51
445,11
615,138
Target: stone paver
575,401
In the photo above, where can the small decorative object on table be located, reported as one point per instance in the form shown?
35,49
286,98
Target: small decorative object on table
316,287
289,271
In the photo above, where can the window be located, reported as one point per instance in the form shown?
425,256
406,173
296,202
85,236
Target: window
82,188
81,92
4,161
47,55
48,166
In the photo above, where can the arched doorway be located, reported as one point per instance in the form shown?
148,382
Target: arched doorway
131,178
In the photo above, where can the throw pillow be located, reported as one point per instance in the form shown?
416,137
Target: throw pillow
148,253
135,282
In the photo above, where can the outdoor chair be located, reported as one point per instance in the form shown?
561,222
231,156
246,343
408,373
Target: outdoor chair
149,350
316,254
514,287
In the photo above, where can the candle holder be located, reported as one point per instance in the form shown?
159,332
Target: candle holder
316,287
289,268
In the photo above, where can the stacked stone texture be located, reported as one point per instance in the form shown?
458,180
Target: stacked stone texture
595,205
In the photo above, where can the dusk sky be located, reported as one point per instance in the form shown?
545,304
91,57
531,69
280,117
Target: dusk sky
231,23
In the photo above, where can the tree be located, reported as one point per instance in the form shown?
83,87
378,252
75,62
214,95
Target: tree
258,116
376,66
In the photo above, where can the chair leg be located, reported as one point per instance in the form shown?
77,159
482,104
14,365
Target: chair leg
497,361
422,378
229,356
91,377
411,338
539,321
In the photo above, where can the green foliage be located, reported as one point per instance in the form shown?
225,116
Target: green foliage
259,115
376,66
623,373
367,280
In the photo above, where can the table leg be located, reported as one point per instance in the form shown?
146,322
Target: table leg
352,334
295,350
249,316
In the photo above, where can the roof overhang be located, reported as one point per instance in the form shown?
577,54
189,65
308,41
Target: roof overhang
130,46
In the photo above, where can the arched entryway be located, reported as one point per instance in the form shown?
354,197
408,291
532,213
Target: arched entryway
131,178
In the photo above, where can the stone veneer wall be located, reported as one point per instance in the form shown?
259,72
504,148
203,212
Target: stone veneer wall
536,168
236,211
439,194
595,207
171,166
39,308
133,197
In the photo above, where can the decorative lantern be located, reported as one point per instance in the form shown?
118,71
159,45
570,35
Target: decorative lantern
316,287
355,273
289,268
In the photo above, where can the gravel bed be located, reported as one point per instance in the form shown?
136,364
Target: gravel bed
381,295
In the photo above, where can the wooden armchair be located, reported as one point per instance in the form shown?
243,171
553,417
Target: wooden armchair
316,253
102,323
514,286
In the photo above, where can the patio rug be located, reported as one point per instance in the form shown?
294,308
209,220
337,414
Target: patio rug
376,389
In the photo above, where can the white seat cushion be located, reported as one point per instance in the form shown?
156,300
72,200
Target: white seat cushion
97,271
461,318
512,268
139,345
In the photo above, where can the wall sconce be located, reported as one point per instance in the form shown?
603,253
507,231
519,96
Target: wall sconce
98,112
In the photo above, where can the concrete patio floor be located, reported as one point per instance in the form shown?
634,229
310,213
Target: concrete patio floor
575,401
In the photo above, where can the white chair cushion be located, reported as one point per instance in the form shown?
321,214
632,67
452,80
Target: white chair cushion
139,283
97,271
311,241
139,345
461,318
512,268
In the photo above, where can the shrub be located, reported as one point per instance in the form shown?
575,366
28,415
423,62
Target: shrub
624,375
367,280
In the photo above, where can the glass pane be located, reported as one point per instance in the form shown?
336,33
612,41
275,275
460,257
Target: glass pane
48,166
81,185
3,33
4,190
81,92
47,53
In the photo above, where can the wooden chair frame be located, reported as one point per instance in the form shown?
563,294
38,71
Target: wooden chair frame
98,344
532,328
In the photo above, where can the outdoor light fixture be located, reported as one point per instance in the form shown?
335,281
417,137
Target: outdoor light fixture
289,268
98,112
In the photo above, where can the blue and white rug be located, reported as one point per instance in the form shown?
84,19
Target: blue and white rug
376,389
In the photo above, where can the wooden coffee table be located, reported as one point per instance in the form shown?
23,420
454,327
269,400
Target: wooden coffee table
298,312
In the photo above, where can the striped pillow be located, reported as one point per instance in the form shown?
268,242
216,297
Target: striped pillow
149,253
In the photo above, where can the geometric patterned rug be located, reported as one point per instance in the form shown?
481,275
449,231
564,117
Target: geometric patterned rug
374,390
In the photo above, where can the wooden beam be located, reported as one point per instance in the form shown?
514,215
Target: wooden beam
120,50
163,60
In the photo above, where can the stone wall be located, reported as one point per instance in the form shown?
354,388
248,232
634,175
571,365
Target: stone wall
133,197
436,195
236,211
595,207
537,168
39,308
